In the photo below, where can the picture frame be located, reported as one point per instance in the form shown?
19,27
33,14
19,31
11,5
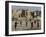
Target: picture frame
19,6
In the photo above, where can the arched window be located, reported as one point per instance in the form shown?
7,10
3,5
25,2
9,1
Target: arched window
23,13
31,24
15,25
38,25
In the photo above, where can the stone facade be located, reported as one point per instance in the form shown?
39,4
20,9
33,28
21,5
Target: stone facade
25,21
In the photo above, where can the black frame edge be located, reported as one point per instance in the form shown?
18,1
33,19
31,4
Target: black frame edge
24,2
6,19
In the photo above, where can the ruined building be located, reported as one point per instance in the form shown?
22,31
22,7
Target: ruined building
25,20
